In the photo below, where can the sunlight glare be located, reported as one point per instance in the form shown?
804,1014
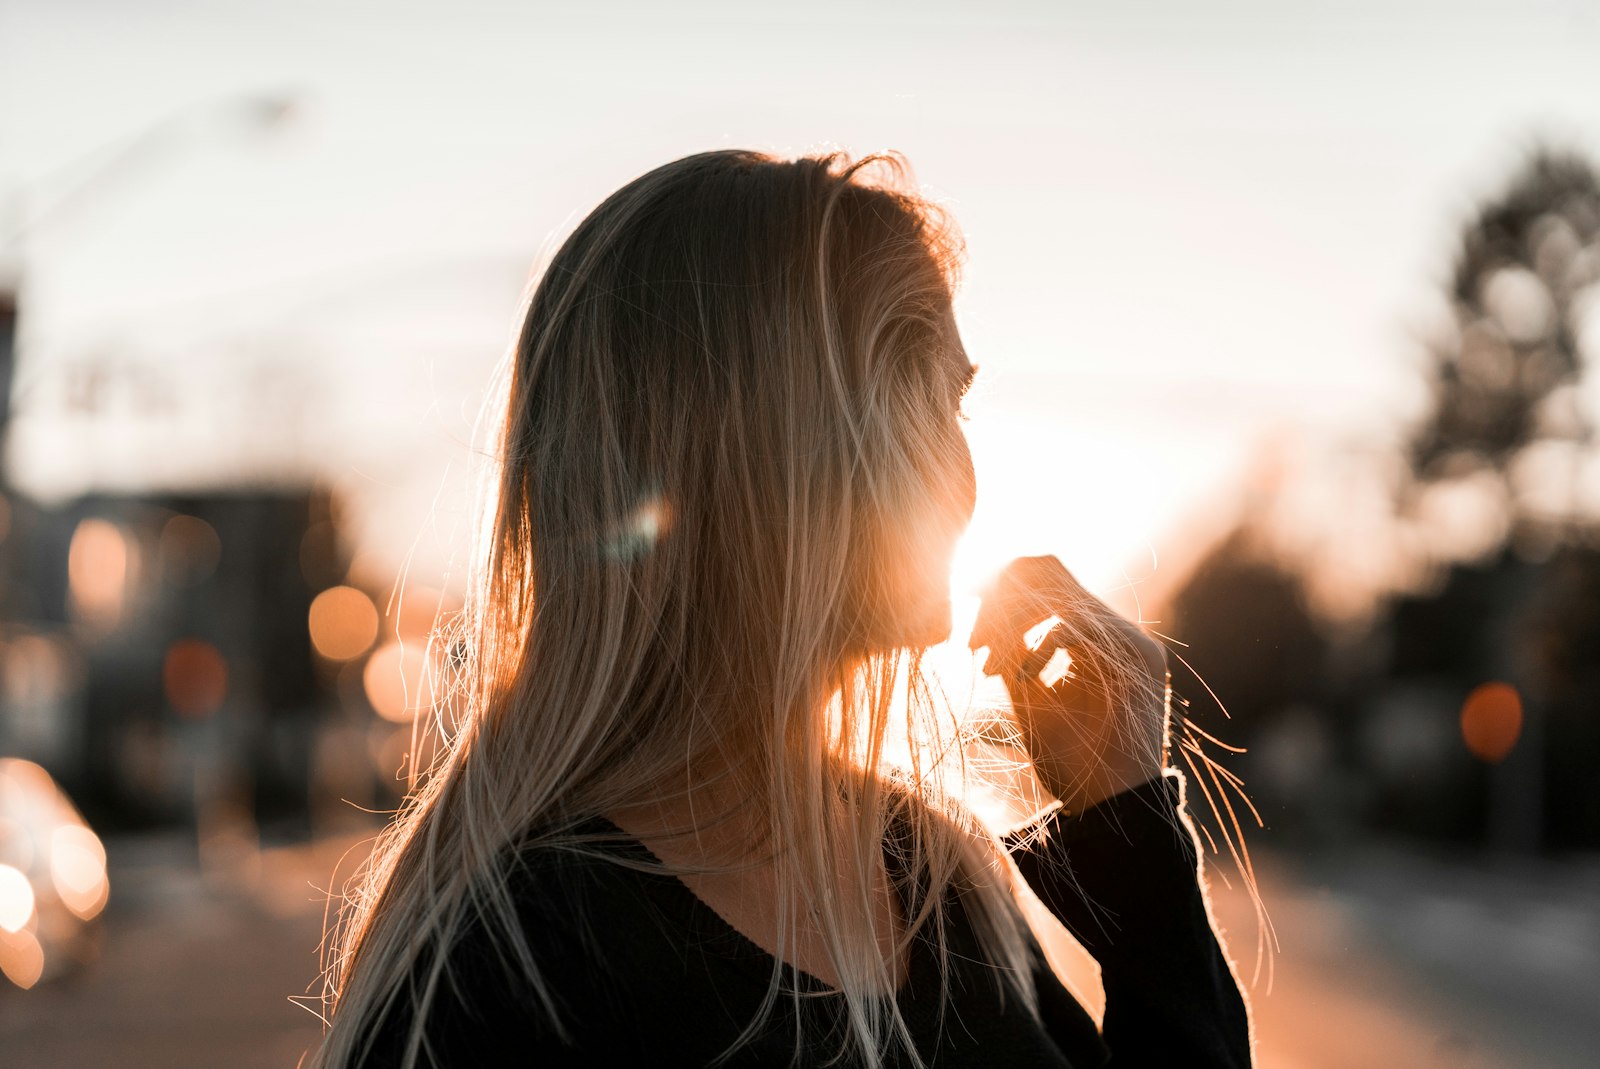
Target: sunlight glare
1035,635
1056,668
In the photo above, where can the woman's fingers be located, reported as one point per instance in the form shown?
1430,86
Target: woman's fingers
1033,662
1027,592
1009,606
1090,676
1099,728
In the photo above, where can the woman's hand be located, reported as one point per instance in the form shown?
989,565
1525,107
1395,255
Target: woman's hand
1102,727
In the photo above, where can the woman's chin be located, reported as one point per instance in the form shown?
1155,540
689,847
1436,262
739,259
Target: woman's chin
927,627
912,622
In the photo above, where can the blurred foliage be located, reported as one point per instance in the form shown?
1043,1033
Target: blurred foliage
1359,726
1246,614
1526,261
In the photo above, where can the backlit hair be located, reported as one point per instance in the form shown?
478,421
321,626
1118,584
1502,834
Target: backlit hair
729,411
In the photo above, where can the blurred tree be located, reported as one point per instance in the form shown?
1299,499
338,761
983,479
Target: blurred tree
1386,702
1527,261
1506,417
1243,613
1252,669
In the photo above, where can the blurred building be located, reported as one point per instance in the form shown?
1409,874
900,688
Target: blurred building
1462,712
156,651
202,658
1500,667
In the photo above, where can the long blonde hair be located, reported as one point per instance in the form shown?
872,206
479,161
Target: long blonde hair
728,403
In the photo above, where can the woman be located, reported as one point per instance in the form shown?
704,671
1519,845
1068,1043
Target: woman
703,804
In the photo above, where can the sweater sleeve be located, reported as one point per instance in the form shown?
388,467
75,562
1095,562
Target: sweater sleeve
1123,878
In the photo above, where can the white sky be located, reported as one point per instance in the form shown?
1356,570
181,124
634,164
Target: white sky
1196,231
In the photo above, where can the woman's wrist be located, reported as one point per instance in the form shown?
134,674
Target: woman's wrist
1083,769
1085,791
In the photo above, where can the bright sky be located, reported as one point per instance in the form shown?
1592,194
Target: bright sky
1197,232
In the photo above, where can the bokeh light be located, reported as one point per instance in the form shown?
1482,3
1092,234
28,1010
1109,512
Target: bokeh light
52,875
398,681
343,623
21,958
98,565
78,870
25,789
415,611
190,549
36,671
389,748
195,676
1491,721
16,845
16,899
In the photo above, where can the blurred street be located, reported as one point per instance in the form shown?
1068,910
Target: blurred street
196,972
1391,958
1387,959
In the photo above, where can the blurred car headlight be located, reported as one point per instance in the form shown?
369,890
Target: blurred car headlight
53,881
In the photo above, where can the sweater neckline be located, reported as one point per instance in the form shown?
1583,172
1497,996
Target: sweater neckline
809,984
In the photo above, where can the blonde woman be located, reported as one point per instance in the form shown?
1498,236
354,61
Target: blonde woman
703,805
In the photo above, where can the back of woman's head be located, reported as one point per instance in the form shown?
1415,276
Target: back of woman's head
731,459
730,476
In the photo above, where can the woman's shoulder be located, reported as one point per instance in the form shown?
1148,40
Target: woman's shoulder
584,848
553,970
626,952
585,874
467,982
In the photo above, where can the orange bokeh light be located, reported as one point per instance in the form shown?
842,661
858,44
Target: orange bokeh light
16,899
195,676
343,623
415,612
98,564
1491,721
21,958
398,682
190,548
78,870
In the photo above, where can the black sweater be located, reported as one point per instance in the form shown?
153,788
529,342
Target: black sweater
648,974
